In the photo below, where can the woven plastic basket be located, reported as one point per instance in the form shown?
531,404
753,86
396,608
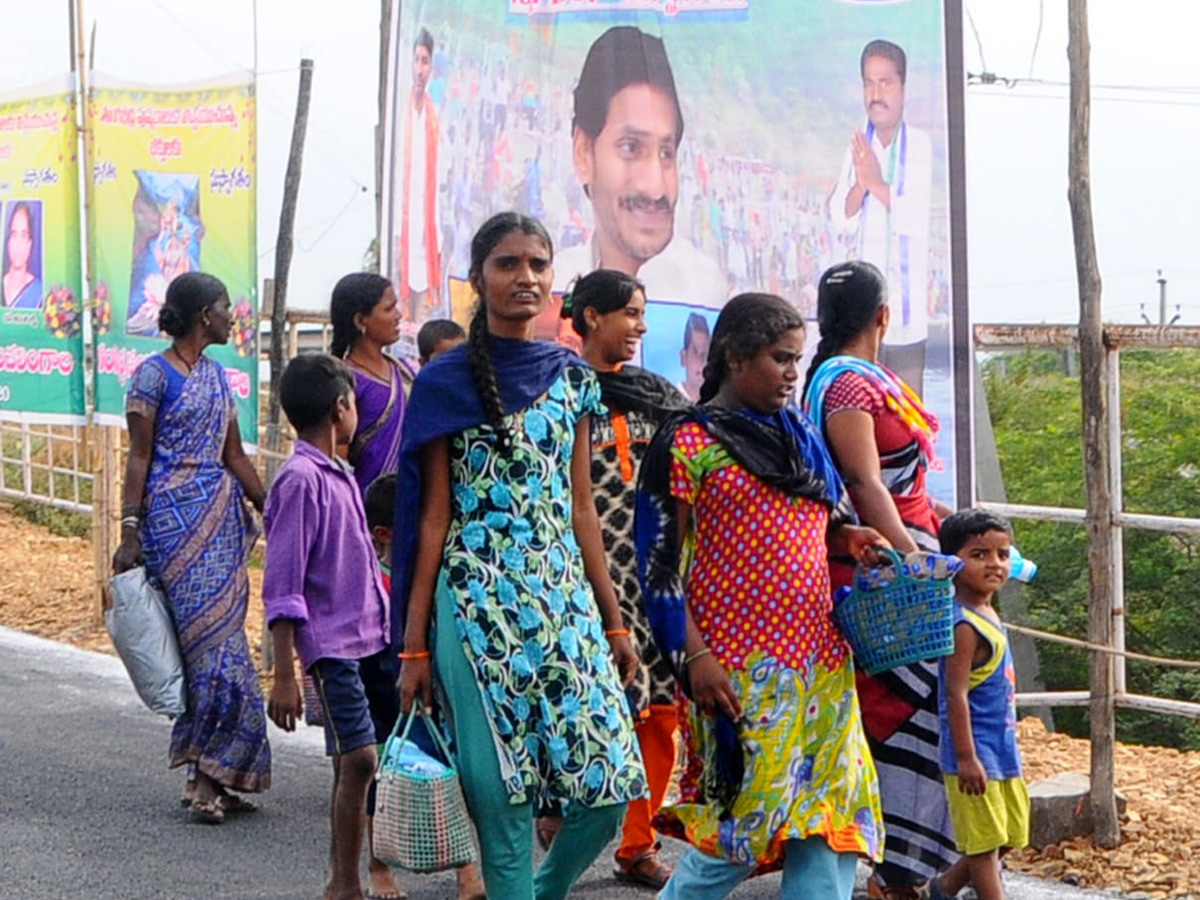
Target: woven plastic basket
314,712
903,621
421,821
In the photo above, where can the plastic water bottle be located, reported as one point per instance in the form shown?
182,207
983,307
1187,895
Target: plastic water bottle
1022,569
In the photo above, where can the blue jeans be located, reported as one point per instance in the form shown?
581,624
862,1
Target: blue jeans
811,871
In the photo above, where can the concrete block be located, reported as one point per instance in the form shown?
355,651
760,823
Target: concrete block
1060,808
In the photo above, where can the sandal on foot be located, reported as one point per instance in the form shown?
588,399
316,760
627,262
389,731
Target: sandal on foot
645,870
232,803
207,812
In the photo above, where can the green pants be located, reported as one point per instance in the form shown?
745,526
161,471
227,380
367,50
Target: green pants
506,830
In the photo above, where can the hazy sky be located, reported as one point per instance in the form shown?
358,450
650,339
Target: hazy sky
1145,128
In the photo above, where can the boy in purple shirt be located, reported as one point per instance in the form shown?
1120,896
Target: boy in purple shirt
324,598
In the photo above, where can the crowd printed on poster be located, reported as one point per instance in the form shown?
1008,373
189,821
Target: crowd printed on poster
664,7
195,116
162,149
123,362
225,182
31,121
15,359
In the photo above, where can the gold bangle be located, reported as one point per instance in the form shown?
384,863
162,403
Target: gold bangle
617,632
423,654
688,660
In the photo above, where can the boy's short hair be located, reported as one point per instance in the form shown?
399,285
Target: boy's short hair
310,388
380,501
965,524
434,332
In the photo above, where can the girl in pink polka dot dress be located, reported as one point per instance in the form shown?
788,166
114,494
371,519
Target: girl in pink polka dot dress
739,507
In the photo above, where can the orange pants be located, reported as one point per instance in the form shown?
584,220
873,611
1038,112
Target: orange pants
656,736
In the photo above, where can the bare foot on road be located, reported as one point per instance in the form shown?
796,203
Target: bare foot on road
381,884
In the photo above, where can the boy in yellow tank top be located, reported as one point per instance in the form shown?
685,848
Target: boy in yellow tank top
981,764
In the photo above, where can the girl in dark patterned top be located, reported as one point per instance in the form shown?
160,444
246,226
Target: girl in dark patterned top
607,310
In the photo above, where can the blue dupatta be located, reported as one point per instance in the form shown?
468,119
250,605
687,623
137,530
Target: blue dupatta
443,402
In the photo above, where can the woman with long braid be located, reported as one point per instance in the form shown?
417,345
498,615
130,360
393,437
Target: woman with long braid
882,440
499,542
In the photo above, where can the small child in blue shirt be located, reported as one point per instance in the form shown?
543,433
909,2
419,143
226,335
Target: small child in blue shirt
980,761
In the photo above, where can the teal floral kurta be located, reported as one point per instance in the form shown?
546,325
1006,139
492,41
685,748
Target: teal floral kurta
525,611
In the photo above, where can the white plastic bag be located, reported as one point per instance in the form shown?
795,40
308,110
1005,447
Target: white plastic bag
142,631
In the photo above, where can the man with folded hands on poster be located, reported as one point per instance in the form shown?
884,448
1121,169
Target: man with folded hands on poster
883,196
418,251
625,136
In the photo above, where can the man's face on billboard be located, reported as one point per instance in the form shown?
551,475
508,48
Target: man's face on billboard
630,173
883,93
421,65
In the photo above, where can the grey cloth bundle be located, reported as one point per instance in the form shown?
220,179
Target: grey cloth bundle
141,629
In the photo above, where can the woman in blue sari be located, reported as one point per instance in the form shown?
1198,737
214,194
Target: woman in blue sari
184,517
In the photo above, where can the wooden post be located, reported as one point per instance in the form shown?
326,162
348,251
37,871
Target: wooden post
283,251
1094,388
283,263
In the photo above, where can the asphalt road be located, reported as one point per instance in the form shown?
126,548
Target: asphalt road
89,809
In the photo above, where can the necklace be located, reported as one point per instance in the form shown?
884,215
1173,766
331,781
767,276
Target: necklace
183,359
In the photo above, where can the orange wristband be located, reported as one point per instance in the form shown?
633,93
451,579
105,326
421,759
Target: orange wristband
423,654
617,632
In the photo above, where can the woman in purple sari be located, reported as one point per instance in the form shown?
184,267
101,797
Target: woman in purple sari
366,320
184,517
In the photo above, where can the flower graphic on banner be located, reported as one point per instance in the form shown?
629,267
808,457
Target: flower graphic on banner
63,312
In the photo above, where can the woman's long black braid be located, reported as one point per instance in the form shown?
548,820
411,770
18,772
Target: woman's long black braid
747,324
479,359
848,297
484,376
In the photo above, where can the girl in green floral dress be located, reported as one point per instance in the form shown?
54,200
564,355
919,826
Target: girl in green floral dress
499,543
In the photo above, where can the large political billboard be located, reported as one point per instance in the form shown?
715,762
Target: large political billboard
708,147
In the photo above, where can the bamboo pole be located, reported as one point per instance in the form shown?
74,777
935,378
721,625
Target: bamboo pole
1094,386
103,465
